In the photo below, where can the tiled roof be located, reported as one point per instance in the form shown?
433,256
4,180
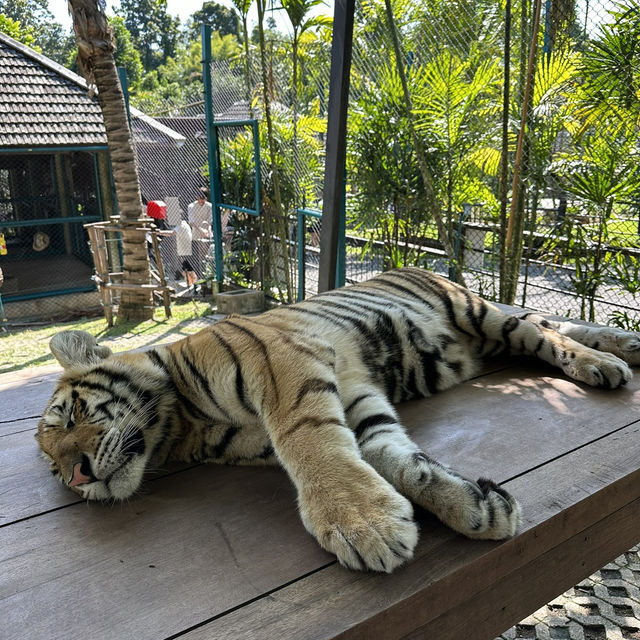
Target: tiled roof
42,103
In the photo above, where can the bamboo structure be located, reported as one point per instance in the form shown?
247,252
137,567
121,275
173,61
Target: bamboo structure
109,281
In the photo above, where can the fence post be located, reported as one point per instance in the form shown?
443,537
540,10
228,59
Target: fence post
302,272
212,150
124,85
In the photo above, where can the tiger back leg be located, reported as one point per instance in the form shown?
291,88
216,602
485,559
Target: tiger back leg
525,335
479,509
623,344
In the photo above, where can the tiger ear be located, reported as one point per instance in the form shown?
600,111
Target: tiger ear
77,348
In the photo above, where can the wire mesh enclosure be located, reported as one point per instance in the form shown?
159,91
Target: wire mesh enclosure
45,198
494,142
517,124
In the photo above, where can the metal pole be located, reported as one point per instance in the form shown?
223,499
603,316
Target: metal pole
124,85
302,220
336,142
341,260
212,150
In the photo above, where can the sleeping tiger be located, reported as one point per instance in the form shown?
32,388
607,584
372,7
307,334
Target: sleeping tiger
312,386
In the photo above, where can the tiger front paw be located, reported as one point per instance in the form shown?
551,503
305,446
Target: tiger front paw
368,526
497,513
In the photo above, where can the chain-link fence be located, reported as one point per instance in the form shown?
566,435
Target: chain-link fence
494,142
452,85
45,198
430,83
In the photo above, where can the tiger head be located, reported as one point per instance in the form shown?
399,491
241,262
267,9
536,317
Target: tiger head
107,419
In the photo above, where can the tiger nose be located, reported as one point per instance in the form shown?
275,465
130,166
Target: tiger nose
82,473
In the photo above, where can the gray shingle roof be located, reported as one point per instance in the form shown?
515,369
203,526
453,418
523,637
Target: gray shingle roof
42,103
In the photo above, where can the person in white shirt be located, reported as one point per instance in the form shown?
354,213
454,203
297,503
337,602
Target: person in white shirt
199,215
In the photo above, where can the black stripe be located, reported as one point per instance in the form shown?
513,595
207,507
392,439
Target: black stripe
240,385
357,400
428,358
539,345
373,421
203,382
184,401
103,406
219,449
509,326
382,283
476,320
436,289
265,354
114,397
380,299
315,385
154,356
369,346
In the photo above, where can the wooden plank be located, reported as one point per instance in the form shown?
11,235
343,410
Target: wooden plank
17,426
27,487
150,567
562,499
231,535
25,393
523,416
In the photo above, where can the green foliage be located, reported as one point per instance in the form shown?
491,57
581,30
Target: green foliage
36,28
154,32
14,29
179,80
298,13
222,19
388,198
126,55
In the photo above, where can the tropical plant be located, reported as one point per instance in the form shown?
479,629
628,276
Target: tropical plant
388,202
242,7
275,219
298,13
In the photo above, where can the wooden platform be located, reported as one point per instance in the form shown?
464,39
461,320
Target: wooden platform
212,552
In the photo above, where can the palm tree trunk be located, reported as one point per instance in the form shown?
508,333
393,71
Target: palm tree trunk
515,222
96,46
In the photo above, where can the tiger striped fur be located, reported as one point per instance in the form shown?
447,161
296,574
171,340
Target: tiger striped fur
312,386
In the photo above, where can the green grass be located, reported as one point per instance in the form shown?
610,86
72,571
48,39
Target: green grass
30,347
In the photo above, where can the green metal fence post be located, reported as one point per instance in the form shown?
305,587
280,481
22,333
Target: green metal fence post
301,221
341,257
212,149
124,85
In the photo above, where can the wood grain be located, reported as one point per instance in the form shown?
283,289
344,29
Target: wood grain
149,568
561,500
25,393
